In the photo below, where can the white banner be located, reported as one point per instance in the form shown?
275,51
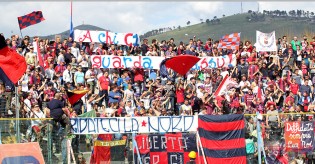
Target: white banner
266,41
106,37
153,62
107,125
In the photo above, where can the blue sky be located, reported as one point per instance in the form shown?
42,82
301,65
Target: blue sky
137,17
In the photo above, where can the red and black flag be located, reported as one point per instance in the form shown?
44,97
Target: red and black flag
165,148
12,64
75,95
30,19
223,138
106,150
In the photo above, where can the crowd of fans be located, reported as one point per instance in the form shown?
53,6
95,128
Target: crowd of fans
285,79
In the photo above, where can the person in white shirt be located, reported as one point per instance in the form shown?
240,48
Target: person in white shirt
129,109
61,58
50,72
25,80
36,124
185,109
200,91
67,75
74,50
129,94
27,103
110,112
83,61
244,84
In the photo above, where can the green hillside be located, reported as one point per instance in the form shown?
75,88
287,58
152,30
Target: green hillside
238,23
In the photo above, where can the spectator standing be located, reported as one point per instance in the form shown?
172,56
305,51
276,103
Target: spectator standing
103,84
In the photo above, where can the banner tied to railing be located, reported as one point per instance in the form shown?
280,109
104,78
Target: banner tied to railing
299,135
153,62
165,148
108,125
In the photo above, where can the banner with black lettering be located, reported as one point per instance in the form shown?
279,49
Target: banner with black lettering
165,148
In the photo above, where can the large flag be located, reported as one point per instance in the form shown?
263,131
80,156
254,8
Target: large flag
12,65
75,95
223,138
30,19
266,41
165,148
107,150
226,84
231,41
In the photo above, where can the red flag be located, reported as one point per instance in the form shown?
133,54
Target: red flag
181,64
12,64
101,154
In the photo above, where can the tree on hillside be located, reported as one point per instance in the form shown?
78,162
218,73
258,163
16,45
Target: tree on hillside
250,11
201,20
178,27
292,13
215,17
312,13
174,27
188,23
223,15
299,13
308,14
207,21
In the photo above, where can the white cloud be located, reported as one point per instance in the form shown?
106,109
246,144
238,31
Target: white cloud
206,9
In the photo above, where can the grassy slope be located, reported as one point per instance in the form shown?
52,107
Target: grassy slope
238,23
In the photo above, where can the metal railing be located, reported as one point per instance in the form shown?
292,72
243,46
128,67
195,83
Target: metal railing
51,137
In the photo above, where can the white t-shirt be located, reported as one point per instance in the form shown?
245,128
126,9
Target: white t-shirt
88,74
129,94
75,52
38,114
242,83
109,111
27,104
130,110
83,63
